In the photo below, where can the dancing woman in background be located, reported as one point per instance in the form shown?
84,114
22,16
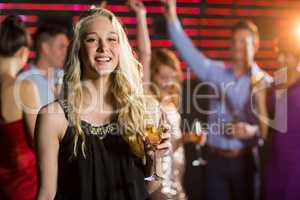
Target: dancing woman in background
283,163
162,79
96,150
19,102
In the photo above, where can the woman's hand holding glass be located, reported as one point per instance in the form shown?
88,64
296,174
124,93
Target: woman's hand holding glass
158,144
198,137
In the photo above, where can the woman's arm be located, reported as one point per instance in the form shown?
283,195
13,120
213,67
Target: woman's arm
143,39
30,104
50,128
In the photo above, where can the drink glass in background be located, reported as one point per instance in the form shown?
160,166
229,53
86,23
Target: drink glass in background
197,136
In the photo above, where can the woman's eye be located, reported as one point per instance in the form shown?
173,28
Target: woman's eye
91,40
112,39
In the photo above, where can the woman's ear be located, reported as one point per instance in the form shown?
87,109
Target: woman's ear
256,44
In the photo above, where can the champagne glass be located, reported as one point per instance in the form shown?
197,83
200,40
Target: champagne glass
196,137
153,137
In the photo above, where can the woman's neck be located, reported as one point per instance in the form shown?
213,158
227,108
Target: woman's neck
96,92
8,67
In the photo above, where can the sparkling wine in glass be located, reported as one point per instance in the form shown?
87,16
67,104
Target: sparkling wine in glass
153,137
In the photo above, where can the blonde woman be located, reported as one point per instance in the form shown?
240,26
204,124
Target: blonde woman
162,80
90,143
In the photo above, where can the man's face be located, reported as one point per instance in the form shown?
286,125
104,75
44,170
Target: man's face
244,46
56,50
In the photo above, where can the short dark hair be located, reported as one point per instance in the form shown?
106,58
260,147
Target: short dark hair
248,25
46,32
13,35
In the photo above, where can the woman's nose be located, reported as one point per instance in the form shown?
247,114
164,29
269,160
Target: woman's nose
102,45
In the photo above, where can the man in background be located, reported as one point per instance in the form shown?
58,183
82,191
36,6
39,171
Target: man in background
234,129
50,44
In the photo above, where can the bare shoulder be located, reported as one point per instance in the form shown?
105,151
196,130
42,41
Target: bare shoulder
27,85
26,93
53,113
51,117
52,108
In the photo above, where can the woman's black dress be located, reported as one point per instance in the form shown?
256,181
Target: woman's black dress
108,172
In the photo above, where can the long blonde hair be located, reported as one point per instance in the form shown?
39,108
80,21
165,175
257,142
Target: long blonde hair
125,86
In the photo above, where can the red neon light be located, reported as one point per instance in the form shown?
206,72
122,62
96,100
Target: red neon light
209,32
264,3
220,1
29,18
208,21
186,10
217,53
31,30
179,1
267,43
26,18
124,20
118,8
37,6
161,43
132,20
219,11
266,54
254,12
83,7
157,9
268,65
154,43
133,31
212,43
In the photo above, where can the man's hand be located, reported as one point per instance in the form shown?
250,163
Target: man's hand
243,130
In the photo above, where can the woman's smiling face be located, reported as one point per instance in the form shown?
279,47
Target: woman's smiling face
99,48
